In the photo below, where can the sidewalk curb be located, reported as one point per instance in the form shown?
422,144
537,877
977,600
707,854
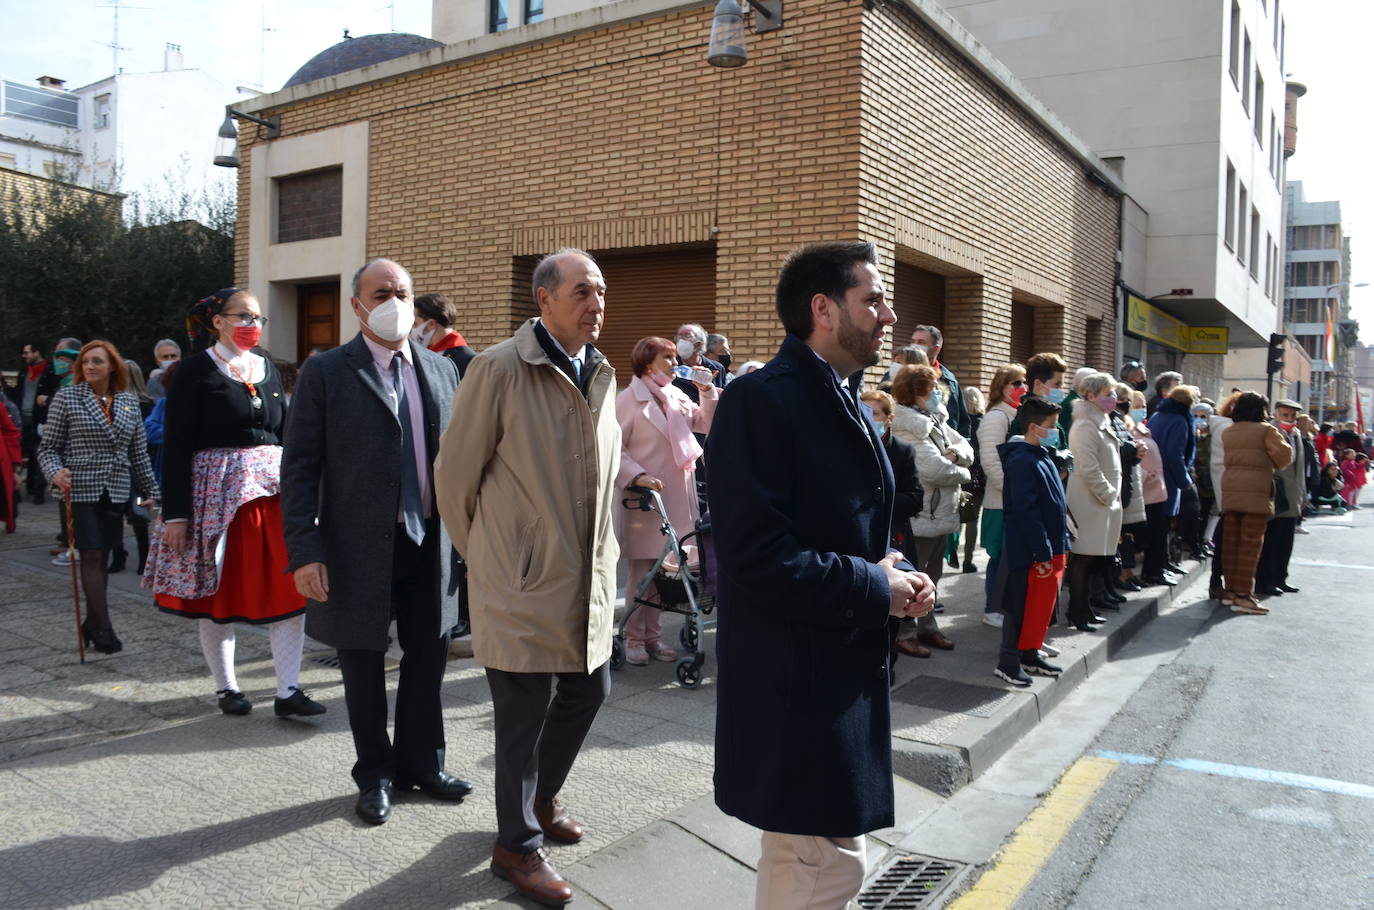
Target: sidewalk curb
947,766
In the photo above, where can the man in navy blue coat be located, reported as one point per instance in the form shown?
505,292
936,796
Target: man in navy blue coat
801,502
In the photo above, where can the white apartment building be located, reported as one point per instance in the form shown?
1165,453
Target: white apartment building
133,133
1189,96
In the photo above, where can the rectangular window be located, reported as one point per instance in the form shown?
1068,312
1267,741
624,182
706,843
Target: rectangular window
1245,73
102,112
534,11
1259,107
1235,44
36,103
1242,211
1254,243
1230,206
496,16
309,206
1269,265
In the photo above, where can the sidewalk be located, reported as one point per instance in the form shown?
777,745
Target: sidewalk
122,784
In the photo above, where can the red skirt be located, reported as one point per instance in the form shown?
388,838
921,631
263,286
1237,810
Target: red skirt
255,586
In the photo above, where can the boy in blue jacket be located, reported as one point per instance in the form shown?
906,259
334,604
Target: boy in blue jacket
1035,518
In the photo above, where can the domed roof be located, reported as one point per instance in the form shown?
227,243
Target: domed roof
356,53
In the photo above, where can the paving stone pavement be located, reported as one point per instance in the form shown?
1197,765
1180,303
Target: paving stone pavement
122,785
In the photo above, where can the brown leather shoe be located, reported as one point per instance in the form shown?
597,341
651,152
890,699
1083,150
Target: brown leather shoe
554,819
532,875
912,649
935,640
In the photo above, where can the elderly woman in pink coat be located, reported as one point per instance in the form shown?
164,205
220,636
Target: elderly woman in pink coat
659,451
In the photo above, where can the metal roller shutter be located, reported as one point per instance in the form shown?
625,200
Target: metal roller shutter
652,293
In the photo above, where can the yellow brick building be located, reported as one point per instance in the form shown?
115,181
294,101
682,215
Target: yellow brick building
606,129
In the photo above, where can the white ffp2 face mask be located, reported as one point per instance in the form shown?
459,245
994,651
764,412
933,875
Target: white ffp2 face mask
392,320
685,348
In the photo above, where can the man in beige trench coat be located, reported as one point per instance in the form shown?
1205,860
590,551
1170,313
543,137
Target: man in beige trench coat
526,483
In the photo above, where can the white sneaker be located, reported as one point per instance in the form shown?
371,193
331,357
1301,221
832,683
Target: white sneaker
65,559
636,657
993,619
1049,650
1301,530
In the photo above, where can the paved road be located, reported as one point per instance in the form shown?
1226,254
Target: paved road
1239,775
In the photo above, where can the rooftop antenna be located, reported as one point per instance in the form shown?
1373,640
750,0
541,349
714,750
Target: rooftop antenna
114,44
391,11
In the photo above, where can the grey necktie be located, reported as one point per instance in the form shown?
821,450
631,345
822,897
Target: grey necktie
412,510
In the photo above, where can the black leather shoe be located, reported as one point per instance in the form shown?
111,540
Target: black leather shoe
1084,627
299,704
1129,584
1268,590
1112,597
1151,581
1175,568
374,806
1287,588
1109,605
440,785
232,701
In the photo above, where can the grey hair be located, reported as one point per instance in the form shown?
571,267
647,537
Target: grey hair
1202,409
1167,376
163,343
358,275
1095,384
913,354
69,343
714,341
698,333
546,274
933,332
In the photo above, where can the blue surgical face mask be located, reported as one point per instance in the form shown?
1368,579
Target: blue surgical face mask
935,398
1057,396
1199,423
1138,415
1051,439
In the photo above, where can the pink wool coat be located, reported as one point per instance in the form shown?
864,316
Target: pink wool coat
645,450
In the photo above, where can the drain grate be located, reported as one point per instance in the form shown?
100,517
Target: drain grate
327,660
908,881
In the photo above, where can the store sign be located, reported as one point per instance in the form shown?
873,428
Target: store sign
1151,323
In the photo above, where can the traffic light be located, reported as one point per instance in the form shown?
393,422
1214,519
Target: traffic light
1275,362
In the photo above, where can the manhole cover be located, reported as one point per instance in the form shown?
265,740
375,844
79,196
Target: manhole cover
907,881
948,695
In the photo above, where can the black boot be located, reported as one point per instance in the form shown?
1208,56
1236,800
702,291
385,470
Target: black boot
141,535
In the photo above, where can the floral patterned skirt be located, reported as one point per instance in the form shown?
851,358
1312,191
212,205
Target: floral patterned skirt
234,566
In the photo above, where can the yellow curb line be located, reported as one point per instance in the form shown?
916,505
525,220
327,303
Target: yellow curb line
1037,837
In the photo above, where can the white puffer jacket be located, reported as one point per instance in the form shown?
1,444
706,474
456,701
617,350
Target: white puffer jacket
994,430
940,476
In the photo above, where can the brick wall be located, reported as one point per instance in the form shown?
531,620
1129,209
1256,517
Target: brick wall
310,206
993,193
624,137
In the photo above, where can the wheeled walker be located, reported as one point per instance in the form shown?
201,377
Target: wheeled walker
677,583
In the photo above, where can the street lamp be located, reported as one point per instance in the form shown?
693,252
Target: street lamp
728,46
227,145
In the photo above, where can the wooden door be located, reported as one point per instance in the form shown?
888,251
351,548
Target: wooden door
317,322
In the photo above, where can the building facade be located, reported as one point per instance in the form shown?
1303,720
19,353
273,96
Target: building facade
1188,95
1316,306
151,134
605,129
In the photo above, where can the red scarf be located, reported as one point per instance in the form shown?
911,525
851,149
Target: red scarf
37,370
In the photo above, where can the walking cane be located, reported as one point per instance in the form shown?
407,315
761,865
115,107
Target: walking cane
76,594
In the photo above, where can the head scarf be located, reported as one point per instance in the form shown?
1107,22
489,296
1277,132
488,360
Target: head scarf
200,316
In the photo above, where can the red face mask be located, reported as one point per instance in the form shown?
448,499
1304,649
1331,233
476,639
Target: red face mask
247,336
1016,394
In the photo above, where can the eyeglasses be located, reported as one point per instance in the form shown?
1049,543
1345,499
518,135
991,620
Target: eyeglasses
245,319
1017,382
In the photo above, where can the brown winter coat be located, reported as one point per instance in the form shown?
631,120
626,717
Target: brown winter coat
525,482
1253,452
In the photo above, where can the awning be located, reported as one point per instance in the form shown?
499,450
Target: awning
1144,320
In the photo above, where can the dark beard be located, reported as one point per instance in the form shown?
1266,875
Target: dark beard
856,342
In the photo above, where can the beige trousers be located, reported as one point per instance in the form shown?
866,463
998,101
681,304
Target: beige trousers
801,872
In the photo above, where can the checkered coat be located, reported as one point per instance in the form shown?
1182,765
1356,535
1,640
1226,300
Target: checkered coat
102,455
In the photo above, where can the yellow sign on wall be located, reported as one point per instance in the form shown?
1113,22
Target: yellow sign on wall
1152,323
